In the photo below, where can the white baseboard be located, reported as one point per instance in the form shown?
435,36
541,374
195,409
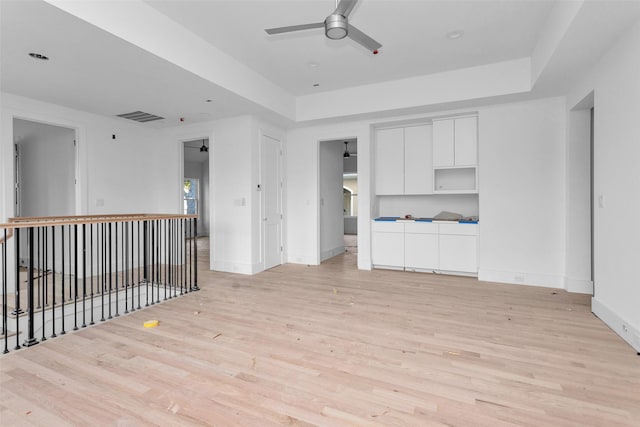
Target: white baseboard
626,331
520,278
233,267
325,255
579,286
301,259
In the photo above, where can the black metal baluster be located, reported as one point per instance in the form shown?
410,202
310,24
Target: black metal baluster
138,264
75,275
93,259
53,281
117,288
195,255
31,340
44,281
158,246
132,279
109,255
38,251
84,275
145,254
125,272
164,257
62,304
103,266
17,309
5,302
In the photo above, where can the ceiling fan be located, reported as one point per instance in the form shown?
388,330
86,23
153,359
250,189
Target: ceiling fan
336,27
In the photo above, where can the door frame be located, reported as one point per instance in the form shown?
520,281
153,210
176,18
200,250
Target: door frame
79,161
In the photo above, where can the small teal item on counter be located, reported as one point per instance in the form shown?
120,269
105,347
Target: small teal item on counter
423,219
387,218
467,221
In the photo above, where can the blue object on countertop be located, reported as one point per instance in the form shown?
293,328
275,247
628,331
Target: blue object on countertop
387,218
423,219
467,221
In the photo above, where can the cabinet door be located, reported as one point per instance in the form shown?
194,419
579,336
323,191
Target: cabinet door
387,249
389,161
421,251
466,141
418,147
443,141
458,253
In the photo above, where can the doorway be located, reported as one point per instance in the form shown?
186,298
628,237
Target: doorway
195,182
271,201
338,197
45,172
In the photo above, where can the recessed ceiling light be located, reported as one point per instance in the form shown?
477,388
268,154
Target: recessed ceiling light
39,56
455,34
313,64
316,84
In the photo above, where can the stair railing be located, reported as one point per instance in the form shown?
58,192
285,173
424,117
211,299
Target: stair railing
76,271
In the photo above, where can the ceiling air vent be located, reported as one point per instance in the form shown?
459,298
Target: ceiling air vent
140,116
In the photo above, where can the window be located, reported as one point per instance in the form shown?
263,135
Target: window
191,193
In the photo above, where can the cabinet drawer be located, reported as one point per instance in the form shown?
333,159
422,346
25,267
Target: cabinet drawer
459,229
388,226
421,227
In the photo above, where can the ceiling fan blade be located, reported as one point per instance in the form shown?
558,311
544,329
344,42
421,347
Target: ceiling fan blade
360,37
345,7
291,28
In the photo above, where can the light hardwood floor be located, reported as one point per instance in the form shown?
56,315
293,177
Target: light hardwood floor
334,346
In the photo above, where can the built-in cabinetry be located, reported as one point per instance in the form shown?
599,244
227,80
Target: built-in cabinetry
425,246
455,155
403,160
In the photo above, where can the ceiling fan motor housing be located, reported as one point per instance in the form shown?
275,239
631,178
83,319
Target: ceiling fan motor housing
336,27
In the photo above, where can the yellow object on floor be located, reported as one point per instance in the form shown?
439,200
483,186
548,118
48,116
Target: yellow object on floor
151,323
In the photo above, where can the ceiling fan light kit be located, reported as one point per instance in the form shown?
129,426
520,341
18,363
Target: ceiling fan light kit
336,27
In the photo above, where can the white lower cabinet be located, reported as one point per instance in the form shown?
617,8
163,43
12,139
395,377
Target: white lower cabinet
387,246
421,246
426,246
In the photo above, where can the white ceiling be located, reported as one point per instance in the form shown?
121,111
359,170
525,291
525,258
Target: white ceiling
412,34
93,70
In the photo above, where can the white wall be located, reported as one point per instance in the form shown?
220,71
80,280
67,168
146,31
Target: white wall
234,172
302,192
331,199
522,192
135,172
427,206
616,85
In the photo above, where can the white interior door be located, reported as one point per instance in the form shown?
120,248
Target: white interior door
271,202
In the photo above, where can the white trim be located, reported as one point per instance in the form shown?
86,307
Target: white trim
579,286
626,331
528,279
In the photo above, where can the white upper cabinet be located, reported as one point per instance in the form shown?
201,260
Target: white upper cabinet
389,161
443,143
403,160
455,142
418,178
466,141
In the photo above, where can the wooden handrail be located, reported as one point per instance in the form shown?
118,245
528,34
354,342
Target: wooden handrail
26,222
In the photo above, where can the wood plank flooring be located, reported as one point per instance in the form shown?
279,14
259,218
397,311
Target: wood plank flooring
334,346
